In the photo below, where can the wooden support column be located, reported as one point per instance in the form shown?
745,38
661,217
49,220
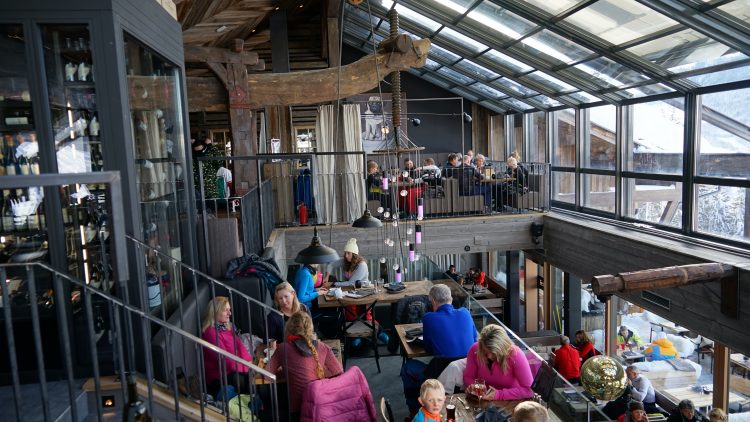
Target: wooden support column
549,297
721,375
571,304
333,33
280,126
512,307
531,294
610,327
242,122
279,117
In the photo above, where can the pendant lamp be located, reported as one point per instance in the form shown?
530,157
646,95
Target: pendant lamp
316,253
367,221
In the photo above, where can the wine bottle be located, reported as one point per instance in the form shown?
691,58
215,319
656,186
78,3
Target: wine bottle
135,410
9,158
7,210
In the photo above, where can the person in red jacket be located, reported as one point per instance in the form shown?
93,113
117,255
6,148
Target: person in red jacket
585,345
567,361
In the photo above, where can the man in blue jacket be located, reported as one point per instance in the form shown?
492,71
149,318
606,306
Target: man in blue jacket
447,331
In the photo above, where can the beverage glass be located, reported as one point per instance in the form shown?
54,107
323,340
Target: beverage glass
480,389
450,411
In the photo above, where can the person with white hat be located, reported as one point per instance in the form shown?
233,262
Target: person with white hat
353,265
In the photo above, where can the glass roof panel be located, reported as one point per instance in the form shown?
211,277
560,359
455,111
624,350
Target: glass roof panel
455,76
553,47
546,101
417,18
583,97
514,103
361,14
479,72
431,64
721,77
554,7
443,54
619,21
465,93
496,22
513,86
738,9
493,106
458,39
435,80
450,8
686,50
357,31
487,91
507,61
644,91
609,73
554,83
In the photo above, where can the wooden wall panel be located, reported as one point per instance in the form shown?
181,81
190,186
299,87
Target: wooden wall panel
588,248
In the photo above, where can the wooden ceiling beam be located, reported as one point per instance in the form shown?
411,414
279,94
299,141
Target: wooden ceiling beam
198,54
196,13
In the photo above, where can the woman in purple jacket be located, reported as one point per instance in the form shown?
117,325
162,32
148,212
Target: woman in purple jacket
501,364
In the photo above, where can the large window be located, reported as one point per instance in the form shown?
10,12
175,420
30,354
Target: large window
655,137
722,211
537,133
563,152
724,136
599,138
598,192
658,202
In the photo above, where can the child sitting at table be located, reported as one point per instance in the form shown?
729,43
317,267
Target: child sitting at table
432,398
530,411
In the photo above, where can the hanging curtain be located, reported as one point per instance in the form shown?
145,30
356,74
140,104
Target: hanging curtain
324,177
353,172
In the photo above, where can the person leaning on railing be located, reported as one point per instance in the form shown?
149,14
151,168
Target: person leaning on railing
217,329
302,359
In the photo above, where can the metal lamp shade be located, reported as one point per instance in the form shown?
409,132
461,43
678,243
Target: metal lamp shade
316,253
367,221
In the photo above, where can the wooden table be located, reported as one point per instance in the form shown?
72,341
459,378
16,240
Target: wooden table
699,398
413,288
410,350
469,415
738,360
630,358
681,331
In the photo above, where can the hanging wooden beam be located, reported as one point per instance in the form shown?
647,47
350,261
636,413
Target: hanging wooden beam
660,278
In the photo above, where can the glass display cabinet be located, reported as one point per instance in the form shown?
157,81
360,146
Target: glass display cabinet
89,86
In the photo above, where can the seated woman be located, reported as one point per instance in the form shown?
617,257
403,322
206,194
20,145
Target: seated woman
301,359
285,300
374,186
585,345
635,413
304,282
217,329
501,364
661,349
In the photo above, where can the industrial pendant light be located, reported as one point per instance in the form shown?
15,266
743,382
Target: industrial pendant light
316,253
367,221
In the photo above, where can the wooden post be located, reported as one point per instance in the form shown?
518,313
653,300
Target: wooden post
659,278
610,328
549,296
532,295
721,376
242,122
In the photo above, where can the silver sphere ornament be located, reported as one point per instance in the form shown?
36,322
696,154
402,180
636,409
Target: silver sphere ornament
380,210
386,214
404,192
409,231
382,260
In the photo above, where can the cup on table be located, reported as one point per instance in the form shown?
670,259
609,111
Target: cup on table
450,411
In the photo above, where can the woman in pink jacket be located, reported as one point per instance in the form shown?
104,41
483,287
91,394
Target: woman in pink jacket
217,330
501,364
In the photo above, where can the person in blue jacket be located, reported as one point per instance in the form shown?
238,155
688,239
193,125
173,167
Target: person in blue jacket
447,331
304,283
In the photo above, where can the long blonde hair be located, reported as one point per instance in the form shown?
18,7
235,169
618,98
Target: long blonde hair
300,324
287,286
215,306
493,339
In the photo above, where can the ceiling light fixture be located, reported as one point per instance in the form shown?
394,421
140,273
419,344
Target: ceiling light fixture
317,252
367,221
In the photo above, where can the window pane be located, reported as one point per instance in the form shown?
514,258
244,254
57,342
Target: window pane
722,211
564,143
454,76
435,80
417,18
724,147
460,40
721,77
479,72
553,83
564,187
655,137
513,86
581,97
598,192
487,91
507,61
738,9
644,91
495,22
537,138
443,54
514,103
554,7
654,201
619,21
686,50
497,138
546,101
608,73
599,144
553,48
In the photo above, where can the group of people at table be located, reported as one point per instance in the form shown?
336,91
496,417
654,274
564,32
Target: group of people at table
468,169
488,364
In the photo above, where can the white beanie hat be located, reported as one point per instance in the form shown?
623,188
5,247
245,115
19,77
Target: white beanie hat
351,246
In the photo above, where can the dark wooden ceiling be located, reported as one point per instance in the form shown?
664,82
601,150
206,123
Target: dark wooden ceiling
217,23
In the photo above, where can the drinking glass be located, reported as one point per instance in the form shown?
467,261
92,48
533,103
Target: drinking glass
450,411
480,389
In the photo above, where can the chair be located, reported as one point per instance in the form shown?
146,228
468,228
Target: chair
359,329
385,410
409,310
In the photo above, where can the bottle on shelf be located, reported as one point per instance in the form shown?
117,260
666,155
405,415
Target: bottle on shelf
9,157
7,218
135,410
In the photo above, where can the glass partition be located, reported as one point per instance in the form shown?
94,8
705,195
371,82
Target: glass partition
155,97
23,233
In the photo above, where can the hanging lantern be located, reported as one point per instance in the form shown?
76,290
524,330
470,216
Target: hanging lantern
418,235
412,257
